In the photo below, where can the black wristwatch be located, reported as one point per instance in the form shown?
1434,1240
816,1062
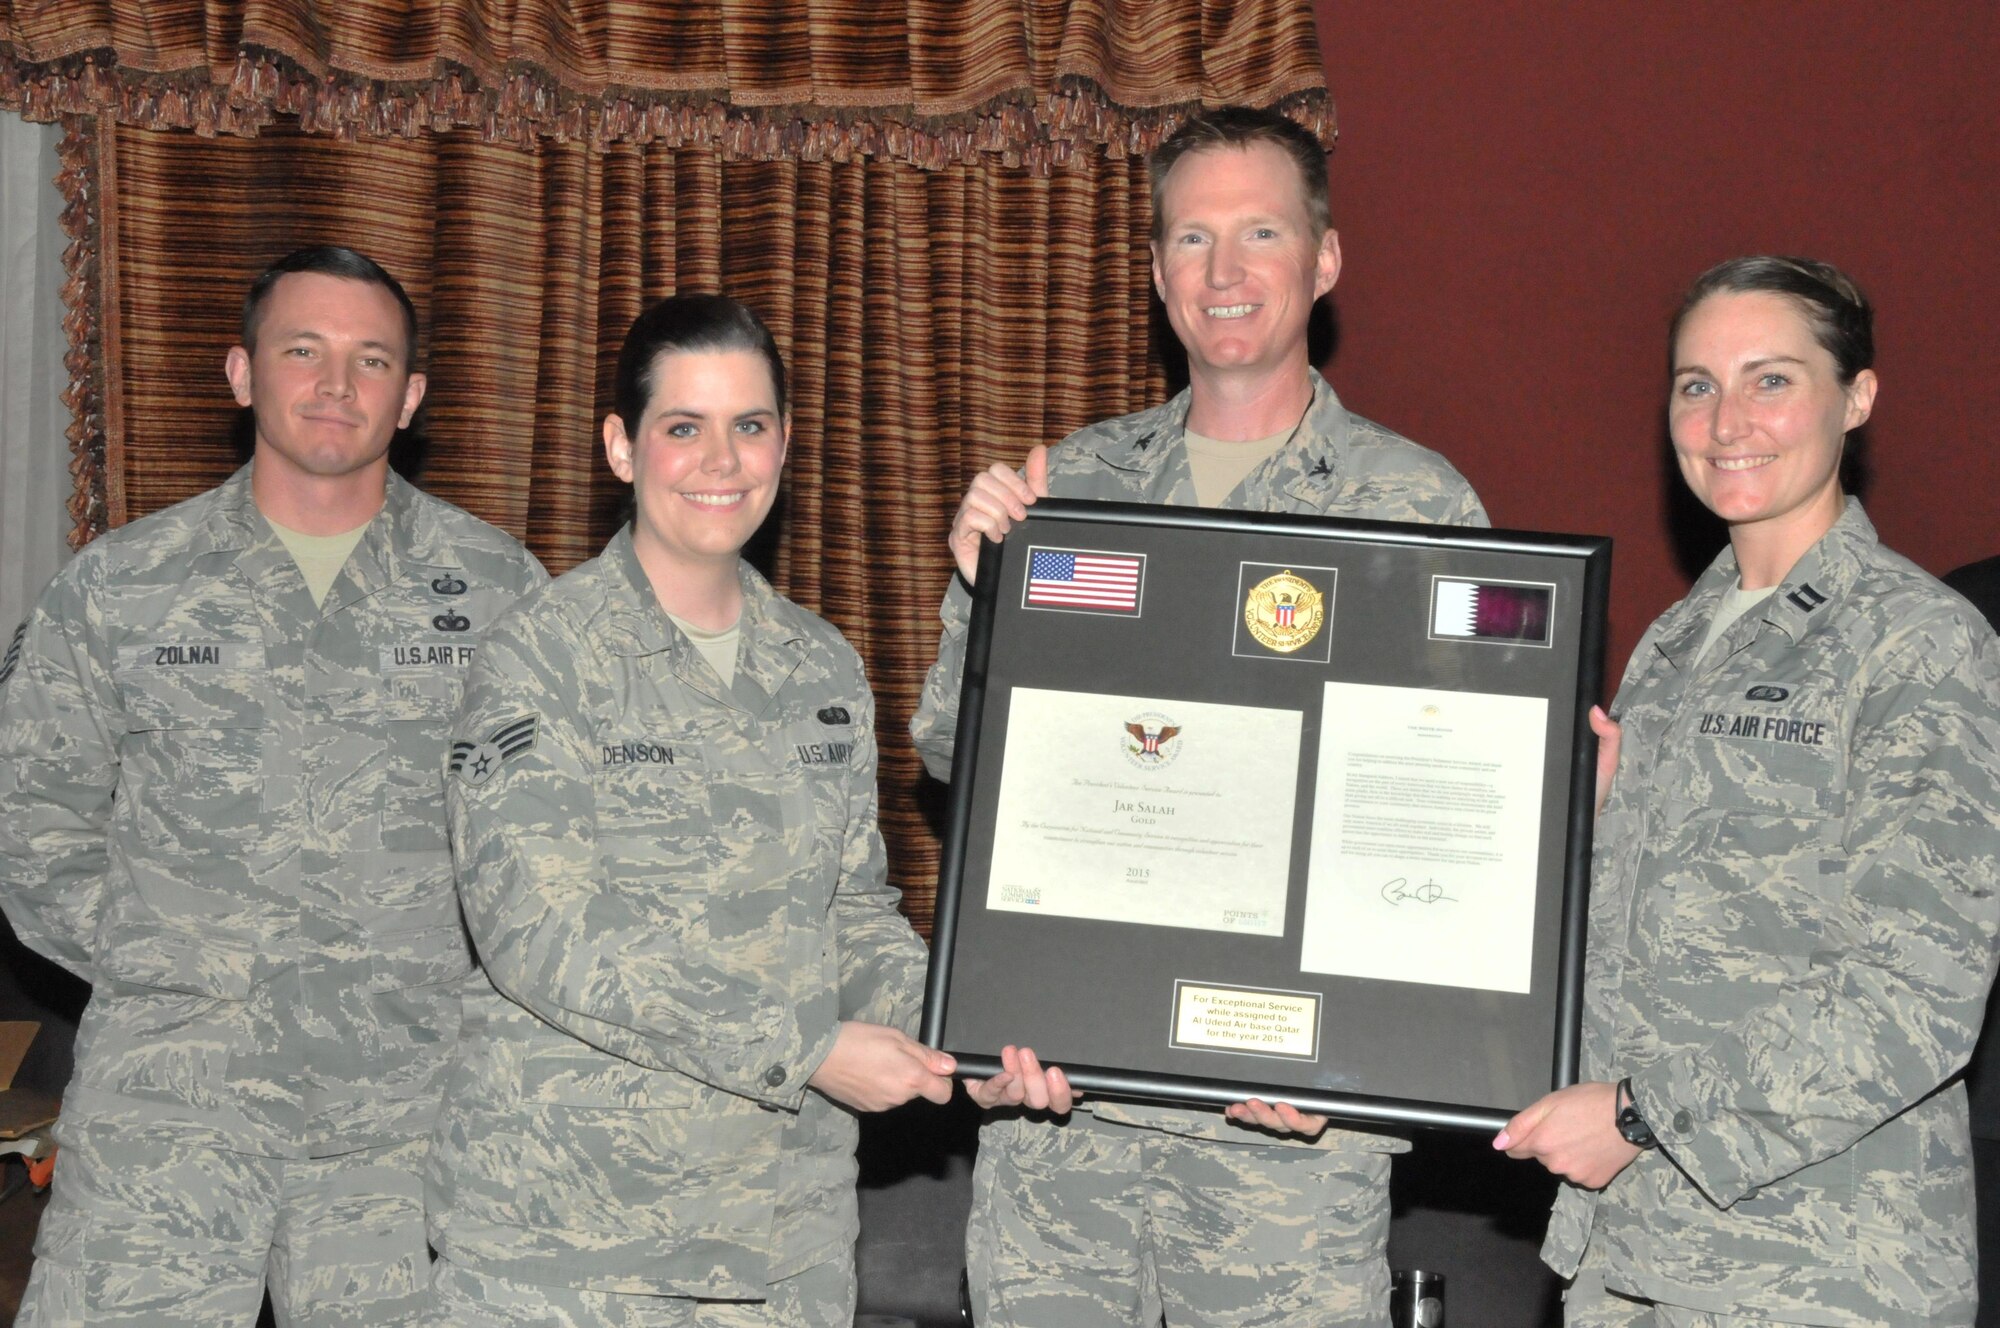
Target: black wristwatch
1631,1125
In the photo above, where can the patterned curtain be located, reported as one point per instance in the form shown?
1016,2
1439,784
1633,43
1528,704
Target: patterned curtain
939,207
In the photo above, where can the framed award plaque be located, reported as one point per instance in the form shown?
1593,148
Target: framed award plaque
1278,806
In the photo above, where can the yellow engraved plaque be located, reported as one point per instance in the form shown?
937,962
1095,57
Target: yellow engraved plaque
1284,612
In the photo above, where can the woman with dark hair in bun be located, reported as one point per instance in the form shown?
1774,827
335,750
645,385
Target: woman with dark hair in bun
663,815
1796,880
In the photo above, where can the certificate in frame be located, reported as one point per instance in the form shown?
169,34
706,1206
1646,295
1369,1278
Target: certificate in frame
1189,743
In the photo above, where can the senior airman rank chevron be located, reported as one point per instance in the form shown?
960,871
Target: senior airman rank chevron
477,762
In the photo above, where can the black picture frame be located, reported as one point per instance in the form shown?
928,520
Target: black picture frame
1102,997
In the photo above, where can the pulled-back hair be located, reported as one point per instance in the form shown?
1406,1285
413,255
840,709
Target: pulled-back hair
329,260
1240,127
683,323
1834,307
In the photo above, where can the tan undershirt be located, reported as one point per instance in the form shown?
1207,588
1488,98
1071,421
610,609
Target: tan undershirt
718,648
1736,601
320,557
1218,467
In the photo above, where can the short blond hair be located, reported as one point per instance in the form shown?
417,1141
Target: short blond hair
1240,127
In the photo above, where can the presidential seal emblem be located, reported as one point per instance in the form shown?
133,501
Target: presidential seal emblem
1284,612
1151,740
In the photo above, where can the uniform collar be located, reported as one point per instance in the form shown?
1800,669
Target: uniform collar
1313,467
1822,578
405,532
1309,467
774,646
234,523
410,527
1153,440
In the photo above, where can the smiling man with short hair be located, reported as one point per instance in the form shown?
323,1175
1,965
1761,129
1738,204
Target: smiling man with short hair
222,735
1122,1212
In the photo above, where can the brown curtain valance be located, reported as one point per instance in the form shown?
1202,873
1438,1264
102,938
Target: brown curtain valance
925,81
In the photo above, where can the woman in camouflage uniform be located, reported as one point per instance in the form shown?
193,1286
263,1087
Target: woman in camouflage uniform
664,818
1797,877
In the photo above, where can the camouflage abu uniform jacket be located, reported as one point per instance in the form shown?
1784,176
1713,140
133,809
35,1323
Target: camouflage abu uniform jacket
679,890
222,805
1792,916
1338,464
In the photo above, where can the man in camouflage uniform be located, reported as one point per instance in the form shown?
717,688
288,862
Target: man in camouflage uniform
1794,897
1120,1212
221,802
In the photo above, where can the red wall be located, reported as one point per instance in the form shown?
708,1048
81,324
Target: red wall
1522,200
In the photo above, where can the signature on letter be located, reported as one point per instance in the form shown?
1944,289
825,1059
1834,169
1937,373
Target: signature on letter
1400,891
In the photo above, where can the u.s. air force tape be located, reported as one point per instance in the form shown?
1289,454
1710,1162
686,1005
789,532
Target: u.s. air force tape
477,762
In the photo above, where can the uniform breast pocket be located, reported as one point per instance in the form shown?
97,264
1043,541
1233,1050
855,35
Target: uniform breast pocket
824,756
416,716
655,823
764,791
191,762
1745,872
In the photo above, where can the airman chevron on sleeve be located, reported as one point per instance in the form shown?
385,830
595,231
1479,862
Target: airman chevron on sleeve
477,762
13,658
